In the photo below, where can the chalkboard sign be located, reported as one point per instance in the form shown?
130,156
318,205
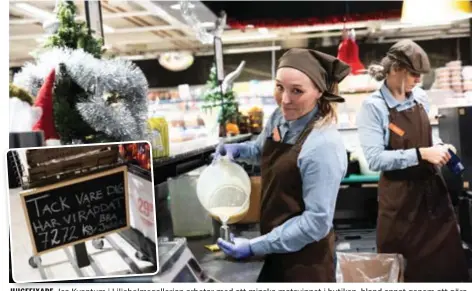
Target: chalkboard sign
74,211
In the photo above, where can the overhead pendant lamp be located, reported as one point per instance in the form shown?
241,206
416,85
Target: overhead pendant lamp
176,61
427,12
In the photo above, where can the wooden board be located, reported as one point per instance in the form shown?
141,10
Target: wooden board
80,162
77,210
40,156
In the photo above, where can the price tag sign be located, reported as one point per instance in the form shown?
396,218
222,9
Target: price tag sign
71,212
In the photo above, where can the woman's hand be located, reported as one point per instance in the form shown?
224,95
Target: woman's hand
233,151
238,248
437,155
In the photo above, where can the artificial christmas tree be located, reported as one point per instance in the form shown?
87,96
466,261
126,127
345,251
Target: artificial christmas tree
94,99
69,123
71,33
215,97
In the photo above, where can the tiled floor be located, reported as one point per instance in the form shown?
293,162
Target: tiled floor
56,264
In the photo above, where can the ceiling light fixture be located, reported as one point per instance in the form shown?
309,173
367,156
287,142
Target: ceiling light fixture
35,11
176,61
263,30
324,27
47,16
399,25
208,24
177,6
230,51
258,36
441,12
251,50
108,29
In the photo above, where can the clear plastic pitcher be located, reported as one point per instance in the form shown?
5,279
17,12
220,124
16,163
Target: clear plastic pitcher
224,189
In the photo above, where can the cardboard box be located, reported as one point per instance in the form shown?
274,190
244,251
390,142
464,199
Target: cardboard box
369,267
254,213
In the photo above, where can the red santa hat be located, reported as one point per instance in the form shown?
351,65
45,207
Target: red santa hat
44,101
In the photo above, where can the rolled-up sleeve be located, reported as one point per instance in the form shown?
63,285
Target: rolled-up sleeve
371,134
251,151
322,170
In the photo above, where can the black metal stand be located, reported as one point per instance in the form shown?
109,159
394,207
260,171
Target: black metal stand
81,255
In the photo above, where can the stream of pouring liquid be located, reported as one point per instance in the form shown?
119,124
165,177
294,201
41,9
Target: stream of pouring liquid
225,213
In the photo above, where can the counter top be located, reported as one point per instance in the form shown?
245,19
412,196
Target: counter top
224,269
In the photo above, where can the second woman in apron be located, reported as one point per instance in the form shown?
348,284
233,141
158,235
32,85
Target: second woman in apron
416,218
303,161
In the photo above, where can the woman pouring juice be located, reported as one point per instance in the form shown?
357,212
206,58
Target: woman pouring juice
303,161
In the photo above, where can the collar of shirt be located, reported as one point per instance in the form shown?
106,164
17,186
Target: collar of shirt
294,127
393,103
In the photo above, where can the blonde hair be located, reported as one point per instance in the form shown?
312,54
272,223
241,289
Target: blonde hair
327,109
380,71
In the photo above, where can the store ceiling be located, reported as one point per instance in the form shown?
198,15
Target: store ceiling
144,28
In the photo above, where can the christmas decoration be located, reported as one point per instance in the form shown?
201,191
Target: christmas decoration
70,33
215,98
348,52
70,124
119,105
95,100
44,100
32,74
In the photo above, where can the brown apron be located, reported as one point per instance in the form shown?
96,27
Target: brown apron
416,218
282,199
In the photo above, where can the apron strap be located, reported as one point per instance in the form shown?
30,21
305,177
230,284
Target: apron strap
307,130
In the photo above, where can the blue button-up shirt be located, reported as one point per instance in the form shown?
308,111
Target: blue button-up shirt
323,164
372,124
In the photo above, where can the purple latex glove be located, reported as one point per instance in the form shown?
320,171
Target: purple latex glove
232,150
239,248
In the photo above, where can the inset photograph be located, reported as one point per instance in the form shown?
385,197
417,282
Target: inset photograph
81,212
